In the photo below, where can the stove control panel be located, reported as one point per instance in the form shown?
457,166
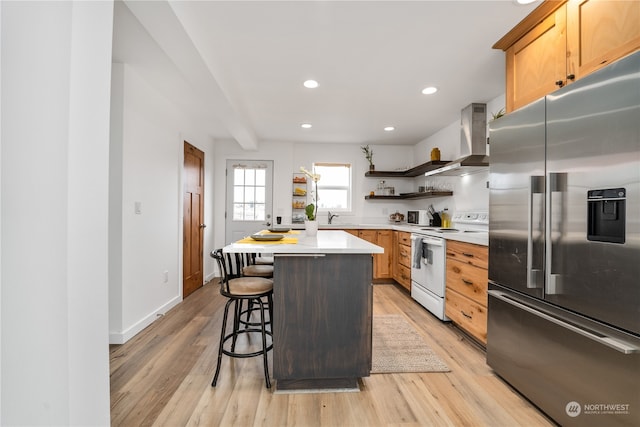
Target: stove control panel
471,218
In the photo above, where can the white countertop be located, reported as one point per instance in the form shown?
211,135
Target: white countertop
326,242
477,238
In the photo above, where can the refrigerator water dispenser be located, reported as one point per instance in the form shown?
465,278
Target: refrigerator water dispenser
606,217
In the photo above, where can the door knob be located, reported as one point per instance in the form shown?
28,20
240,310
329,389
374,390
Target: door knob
203,225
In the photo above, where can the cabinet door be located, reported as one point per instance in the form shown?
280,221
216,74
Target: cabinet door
599,32
395,261
368,235
382,262
537,62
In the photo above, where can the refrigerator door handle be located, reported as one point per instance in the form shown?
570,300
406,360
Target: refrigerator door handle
611,342
534,263
554,220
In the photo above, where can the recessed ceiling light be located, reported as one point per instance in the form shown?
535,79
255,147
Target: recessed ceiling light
389,128
306,125
429,90
524,1
310,84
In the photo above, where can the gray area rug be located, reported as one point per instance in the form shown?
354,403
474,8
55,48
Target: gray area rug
397,347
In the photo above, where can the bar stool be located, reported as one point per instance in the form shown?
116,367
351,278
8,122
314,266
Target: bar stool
266,260
249,268
237,290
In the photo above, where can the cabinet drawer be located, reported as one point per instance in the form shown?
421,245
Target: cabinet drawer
403,276
468,253
467,314
468,280
404,255
404,238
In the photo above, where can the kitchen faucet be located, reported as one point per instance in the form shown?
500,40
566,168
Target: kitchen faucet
331,216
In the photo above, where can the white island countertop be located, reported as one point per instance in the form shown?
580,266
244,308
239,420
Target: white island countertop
325,242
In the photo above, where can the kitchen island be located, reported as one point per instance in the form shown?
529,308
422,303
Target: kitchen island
322,309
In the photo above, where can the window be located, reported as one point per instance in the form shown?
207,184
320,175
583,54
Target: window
334,186
249,186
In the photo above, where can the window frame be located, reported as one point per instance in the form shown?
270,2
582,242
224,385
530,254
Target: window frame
348,187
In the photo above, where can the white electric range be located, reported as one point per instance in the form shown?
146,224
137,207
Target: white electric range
428,259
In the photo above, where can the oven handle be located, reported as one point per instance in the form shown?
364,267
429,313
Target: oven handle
614,343
428,240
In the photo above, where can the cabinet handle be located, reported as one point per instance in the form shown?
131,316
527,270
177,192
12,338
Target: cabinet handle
571,77
560,83
466,315
467,254
467,282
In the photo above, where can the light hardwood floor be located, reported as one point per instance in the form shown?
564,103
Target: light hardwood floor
162,377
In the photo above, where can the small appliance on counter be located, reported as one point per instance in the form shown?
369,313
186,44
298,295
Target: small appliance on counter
436,220
419,217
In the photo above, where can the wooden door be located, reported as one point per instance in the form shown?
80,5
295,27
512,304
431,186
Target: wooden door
249,197
537,62
193,220
599,32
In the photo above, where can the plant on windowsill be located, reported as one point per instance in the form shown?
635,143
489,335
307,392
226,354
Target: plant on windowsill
310,223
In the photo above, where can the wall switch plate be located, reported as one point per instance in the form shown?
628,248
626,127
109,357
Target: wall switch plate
138,208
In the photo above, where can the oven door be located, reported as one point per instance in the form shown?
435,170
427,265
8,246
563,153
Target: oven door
428,263
428,300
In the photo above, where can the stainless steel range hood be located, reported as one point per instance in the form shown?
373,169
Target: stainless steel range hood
473,143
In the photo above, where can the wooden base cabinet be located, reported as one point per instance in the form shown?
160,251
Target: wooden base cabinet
466,292
402,259
563,41
381,262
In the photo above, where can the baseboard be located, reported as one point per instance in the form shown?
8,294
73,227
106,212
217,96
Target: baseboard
126,335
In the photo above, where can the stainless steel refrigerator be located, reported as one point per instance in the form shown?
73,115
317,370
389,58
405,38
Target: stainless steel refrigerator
564,249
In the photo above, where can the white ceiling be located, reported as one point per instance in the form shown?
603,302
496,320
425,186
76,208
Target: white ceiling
238,66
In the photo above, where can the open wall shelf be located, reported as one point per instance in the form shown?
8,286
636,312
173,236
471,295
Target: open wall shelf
409,173
406,196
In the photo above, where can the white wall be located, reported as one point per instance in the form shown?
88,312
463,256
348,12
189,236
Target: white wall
146,168
469,192
289,156
55,130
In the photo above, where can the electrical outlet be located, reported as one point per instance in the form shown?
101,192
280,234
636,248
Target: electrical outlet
166,276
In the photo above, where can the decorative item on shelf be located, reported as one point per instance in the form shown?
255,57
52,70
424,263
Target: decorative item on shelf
497,115
435,154
368,154
310,223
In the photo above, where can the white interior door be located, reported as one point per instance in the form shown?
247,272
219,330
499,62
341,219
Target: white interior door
249,198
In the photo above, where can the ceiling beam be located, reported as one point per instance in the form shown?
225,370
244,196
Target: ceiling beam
162,24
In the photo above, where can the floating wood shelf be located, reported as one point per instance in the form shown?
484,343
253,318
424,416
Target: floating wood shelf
405,196
414,171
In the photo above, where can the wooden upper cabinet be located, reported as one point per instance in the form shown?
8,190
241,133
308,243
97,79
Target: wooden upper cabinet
536,64
599,32
563,41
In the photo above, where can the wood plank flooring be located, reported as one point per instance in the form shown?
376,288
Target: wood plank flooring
162,377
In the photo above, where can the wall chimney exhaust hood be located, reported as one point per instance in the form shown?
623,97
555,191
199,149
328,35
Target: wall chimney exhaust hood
473,143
